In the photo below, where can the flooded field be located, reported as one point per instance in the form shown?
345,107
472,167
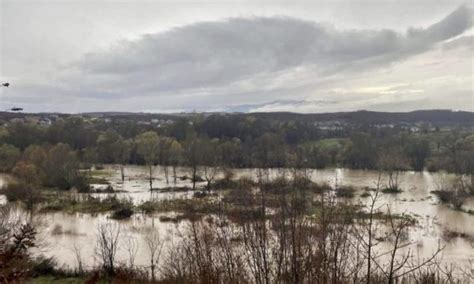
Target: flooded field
71,237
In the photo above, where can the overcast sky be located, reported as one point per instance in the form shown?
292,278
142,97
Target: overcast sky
230,55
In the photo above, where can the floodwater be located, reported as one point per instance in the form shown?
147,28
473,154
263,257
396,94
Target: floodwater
4,178
65,236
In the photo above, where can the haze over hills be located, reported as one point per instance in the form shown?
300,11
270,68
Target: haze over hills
435,117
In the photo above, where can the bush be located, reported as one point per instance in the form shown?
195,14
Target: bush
200,194
239,197
98,180
282,185
15,192
224,184
279,185
88,204
303,182
54,206
179,217
57,230
123,213
450,197
15,248
245,183
173,189
21,192
320,188
81,184
148,207
391,190
197,179
345,191
43,266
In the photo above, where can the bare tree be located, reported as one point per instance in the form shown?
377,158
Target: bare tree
370,227
194,155
255,235
210,173
79,261
164,154
228,254
400,263
123,155
397,262
155,245
108,235
131,247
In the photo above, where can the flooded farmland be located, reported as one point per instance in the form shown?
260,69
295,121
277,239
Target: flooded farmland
70,237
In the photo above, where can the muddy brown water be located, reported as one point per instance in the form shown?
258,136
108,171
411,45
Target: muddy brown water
64,234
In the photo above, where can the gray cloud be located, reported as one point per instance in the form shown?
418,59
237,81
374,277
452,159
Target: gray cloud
464,41
209,55
240,56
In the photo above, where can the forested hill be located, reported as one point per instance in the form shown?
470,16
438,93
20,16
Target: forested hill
433,140
437,117
434,117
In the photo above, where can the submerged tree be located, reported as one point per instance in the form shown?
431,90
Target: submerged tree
194,155
164,154
108,236
464,159
148,148
210,162
154,244
418,150
61,168
176,157
392,160
360,153
123,155
30,177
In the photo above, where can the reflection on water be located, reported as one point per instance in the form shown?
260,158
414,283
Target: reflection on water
3,180
63,232
136,185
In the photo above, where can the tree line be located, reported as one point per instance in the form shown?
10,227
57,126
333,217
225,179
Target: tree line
227,141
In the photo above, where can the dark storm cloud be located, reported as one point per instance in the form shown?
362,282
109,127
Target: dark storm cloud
215,54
